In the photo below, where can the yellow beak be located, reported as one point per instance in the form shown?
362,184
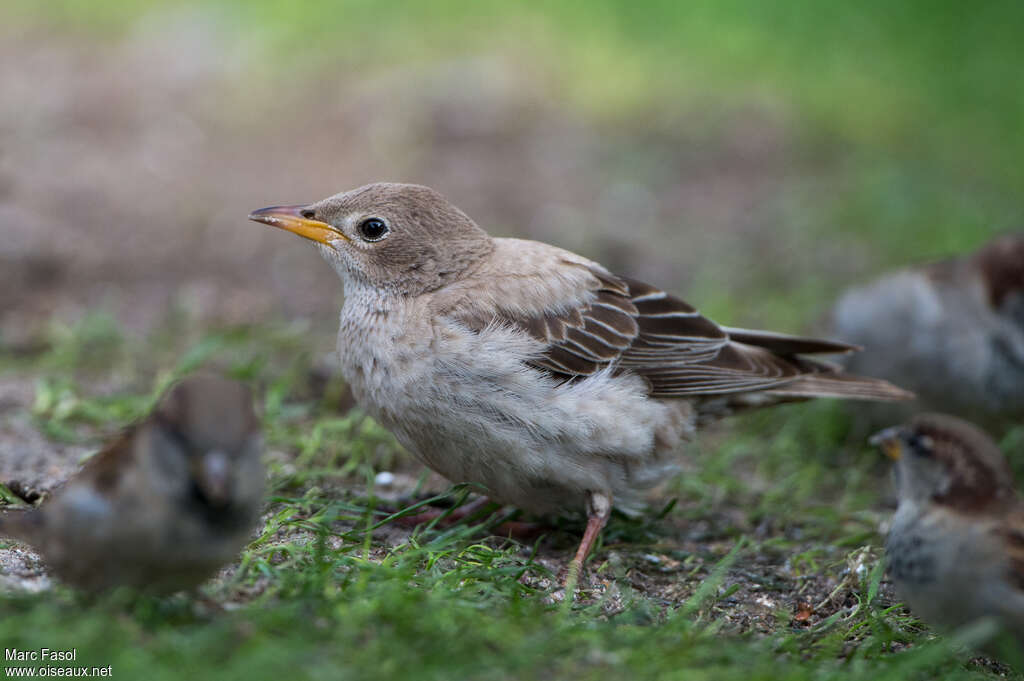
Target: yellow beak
890,442
892,449
293,219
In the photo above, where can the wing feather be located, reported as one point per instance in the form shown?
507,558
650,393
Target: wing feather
633,326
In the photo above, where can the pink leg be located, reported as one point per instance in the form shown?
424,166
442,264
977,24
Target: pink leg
599,508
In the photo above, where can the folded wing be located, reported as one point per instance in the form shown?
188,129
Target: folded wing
633,326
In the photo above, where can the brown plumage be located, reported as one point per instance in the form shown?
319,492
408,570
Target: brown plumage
631,326
956,547
164,505
980,479
951,331
1001,267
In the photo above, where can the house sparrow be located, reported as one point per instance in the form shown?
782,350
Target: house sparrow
956,547
528,369
166,504
953,332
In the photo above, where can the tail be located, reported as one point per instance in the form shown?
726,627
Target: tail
828,383
790,375
784,344
820,378
831,383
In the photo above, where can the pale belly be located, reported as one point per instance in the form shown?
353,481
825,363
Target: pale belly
469,407
949,573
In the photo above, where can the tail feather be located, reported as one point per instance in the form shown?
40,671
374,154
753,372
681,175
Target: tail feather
785,344
822,378
846,386
837,385
782,362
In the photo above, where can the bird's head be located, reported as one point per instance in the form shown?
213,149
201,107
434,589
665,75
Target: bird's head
205,440
946,460
404,238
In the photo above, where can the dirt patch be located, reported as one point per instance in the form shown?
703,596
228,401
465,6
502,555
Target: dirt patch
28,459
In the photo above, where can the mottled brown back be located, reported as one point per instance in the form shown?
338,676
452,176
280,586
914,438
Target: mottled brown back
981,477
1001,264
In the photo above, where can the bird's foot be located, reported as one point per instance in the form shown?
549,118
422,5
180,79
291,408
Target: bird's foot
599,509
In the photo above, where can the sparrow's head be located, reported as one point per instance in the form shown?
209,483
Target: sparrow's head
404,238
948,461
203,440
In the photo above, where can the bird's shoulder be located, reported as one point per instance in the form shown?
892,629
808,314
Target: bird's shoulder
521,279
528,277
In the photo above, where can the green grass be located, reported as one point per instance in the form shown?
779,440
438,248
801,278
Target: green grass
902,122
772,506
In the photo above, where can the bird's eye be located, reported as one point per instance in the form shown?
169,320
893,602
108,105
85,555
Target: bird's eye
308,213
921,444
373,229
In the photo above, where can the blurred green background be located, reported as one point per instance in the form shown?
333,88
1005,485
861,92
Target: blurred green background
755,158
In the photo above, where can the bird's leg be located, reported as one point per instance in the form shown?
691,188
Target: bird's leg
599,508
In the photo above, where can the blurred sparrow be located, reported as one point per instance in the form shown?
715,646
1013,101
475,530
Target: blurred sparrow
956,547
528,369
952,331
166,504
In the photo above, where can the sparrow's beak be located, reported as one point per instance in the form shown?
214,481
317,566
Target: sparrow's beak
213,478
890,441
295,219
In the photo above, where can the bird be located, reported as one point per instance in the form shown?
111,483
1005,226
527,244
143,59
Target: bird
530,370
164,505
952,331
956,543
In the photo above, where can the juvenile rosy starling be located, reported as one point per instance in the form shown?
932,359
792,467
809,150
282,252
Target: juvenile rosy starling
530,370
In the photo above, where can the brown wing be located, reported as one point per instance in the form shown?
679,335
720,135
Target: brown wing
680,352
583,340
636,327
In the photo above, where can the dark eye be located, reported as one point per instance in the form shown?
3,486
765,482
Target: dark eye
920,444
373,229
